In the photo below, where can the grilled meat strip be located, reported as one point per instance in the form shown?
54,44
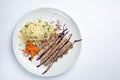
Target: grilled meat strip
42,52
63,42
46,47
63,50
59,52
50,51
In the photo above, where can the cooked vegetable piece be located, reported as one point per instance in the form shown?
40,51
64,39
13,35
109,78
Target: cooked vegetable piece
31,49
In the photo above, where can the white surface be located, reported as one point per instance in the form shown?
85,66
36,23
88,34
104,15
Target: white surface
62,65
99,23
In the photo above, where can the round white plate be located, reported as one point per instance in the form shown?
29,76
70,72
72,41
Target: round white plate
64,63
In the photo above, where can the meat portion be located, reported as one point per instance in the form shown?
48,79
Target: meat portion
56,40
52,51
54,48
56,57
49,41
59,52
46,45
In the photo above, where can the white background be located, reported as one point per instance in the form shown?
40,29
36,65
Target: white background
99,23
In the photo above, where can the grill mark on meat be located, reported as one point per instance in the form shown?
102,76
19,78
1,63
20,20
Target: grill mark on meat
45,51
50,59
50,51
46,57
57,39
59,52
57,48
53,46
40,53
56,57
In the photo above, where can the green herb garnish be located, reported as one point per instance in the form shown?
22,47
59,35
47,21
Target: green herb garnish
26,25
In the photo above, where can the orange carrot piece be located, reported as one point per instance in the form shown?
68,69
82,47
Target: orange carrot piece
31,49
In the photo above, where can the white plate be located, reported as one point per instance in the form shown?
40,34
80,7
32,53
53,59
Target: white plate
63,64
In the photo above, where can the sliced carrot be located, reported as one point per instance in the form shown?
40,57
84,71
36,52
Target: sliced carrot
31,49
